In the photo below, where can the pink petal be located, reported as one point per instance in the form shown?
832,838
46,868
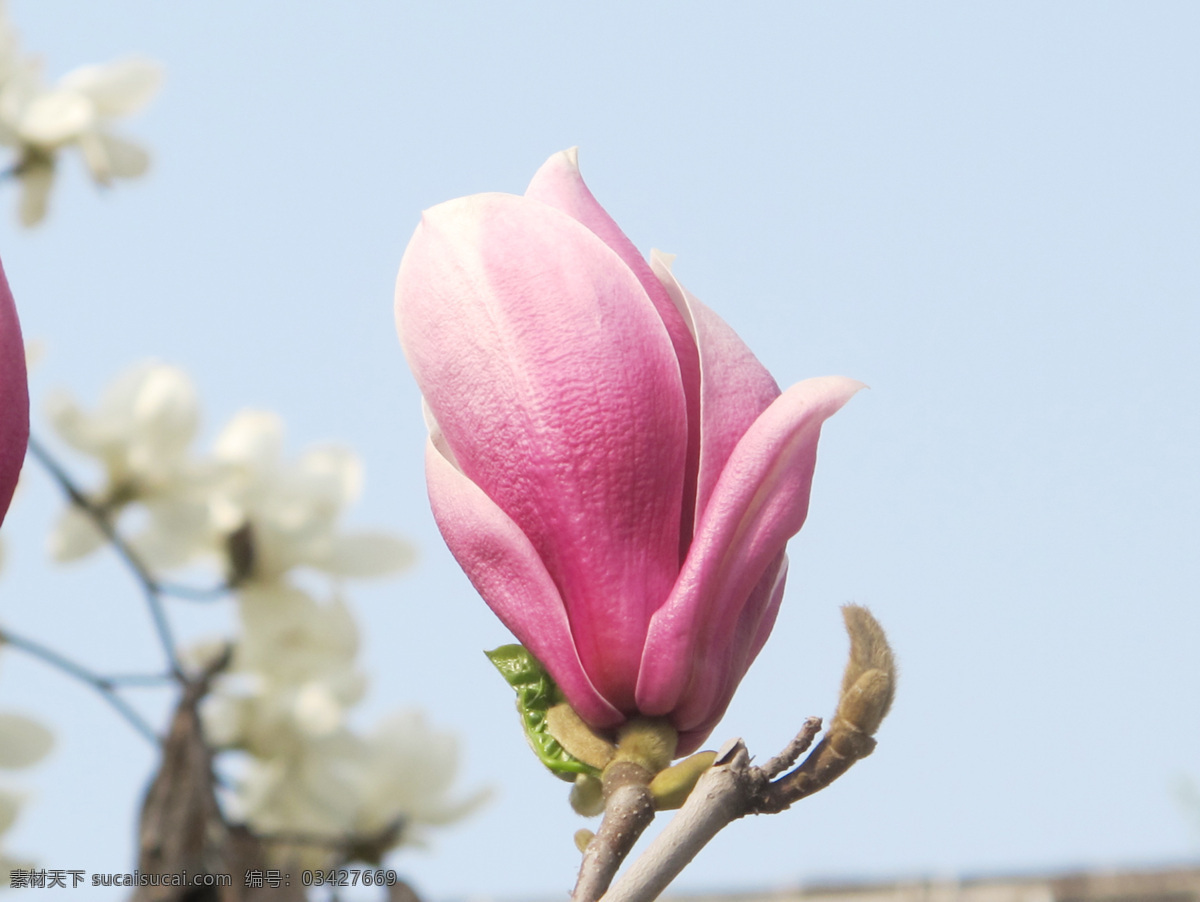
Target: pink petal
559,395
760,501
734,387
14,397
559,184
506,570
713,686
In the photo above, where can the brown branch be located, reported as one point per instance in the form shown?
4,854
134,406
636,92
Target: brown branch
628,810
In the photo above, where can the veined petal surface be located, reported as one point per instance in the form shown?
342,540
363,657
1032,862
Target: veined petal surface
734,387
613,468
506,570
714,691
560,184
558,393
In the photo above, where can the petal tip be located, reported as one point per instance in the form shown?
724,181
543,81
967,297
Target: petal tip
661,257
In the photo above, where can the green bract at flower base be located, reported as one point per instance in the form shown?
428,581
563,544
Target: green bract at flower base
537,694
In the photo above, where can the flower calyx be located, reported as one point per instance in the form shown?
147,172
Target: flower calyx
596,764
537,694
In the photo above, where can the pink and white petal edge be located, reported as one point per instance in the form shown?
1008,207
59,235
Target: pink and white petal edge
735,388
510,576
760,501
712,688
559,184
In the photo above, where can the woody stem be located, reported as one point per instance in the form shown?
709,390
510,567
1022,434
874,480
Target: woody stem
628,810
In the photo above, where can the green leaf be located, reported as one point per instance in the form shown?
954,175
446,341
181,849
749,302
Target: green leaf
537,693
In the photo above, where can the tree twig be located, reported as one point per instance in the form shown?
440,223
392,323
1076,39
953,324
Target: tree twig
732,788
729,790
139,680
102,685
628,810
151,588
793,750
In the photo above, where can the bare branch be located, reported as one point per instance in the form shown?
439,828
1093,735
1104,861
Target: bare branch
721,796
793,750
152,589
732,788
104,685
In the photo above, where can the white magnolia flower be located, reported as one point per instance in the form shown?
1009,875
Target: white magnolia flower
140,433
292,508
292,676
406,776
39,120
284,700
399,778
313,792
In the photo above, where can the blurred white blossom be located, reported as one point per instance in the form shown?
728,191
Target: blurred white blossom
292,675
292,508
23,742
140,433
259,515
407,772
284,700
38,120
387,787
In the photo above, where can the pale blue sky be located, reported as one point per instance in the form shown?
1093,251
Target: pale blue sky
987,212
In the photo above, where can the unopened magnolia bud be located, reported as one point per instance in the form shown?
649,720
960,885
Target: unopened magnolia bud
868,687
587,795
671,787
865,704
580,740
647,741
583,836
849,743
869,683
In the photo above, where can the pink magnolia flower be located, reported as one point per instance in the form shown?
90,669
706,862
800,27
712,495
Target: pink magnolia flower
608,462
14,397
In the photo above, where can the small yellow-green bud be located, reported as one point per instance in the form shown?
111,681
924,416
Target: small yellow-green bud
672,786
648,742
587,795
583,836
